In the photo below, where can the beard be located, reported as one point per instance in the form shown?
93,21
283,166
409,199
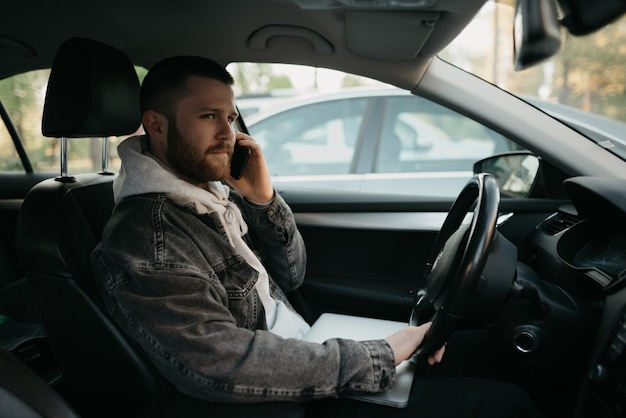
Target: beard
192,163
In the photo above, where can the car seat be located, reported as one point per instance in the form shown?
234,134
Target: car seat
21,332
24,394
93,91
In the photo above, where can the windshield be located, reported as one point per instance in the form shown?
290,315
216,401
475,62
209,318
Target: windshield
583,85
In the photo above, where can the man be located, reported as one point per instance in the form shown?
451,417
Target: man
196,271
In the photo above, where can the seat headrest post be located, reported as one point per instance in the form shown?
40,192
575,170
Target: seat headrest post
93,92
105,157
65,177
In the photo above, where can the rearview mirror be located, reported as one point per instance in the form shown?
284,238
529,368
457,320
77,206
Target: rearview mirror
516,173
536,32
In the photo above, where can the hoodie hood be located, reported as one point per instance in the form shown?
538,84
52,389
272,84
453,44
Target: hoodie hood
142,173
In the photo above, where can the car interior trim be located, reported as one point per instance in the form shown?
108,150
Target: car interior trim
366,36
261,38
424,221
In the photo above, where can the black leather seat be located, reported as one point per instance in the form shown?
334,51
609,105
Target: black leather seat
23,394
93,92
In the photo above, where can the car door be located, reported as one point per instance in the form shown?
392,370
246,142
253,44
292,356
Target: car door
422,148
368,258
316,143
367,250
368,240
16,179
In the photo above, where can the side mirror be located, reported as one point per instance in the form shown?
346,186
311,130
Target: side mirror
536,32
516,172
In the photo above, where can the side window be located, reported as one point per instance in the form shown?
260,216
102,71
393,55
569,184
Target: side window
9,159
22,97
421,136
314,139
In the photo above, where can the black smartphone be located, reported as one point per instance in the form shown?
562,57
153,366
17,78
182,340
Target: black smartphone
239,161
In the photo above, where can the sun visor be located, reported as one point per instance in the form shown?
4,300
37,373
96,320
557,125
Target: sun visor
368,34
260,39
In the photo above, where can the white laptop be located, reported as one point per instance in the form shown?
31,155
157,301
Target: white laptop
358,328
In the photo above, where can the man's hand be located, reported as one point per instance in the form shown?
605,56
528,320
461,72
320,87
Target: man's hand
255,184
405,342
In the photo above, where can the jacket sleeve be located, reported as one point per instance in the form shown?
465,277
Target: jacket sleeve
273,234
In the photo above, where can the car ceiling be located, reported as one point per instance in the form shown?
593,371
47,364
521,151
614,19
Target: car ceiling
392,43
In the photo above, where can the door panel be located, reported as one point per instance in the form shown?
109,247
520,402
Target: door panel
367,272
368,259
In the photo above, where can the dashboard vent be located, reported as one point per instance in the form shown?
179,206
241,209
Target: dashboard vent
558,223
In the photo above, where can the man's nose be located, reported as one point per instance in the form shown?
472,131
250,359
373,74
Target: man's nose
227,131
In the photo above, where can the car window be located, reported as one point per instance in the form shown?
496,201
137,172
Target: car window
328,142
9,158
336,131
421,136
23,97
313,139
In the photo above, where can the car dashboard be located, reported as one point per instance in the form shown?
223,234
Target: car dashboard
581,249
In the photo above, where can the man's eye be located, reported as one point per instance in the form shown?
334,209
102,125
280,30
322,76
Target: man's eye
209,116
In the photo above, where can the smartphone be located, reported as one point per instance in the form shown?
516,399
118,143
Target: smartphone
239,161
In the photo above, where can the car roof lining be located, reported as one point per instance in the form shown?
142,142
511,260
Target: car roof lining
148,31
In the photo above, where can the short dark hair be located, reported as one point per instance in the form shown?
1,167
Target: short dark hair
165,83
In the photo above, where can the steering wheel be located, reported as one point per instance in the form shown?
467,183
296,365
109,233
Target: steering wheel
454,270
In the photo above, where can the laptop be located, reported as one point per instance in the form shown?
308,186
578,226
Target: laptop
331,325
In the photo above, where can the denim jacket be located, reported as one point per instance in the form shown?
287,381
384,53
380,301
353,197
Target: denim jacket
172,281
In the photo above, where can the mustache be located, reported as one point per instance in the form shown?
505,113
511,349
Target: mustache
219,148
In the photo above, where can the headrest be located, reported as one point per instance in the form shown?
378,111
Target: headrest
93,91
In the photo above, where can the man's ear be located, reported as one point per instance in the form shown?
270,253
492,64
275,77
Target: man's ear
155,125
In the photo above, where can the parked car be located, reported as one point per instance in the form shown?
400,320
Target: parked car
372,140
551,289
407,145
